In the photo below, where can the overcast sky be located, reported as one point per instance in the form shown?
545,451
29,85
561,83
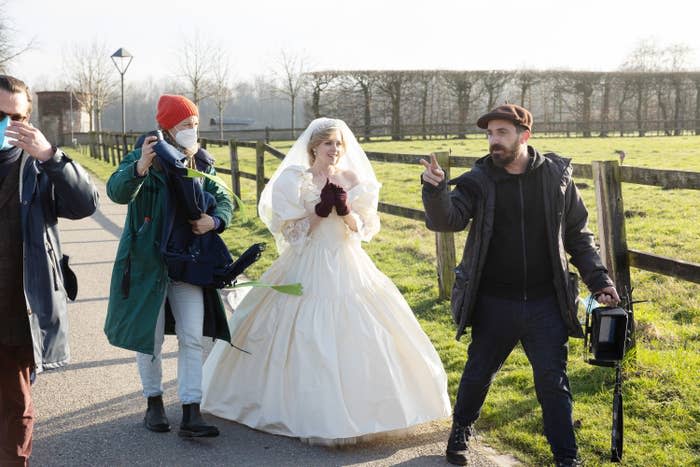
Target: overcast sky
353,34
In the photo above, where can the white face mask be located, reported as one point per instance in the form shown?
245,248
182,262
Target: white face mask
186,138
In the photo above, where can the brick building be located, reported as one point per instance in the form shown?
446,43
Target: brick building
59,118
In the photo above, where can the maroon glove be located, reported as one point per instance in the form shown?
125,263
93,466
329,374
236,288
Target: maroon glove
342,208
324,208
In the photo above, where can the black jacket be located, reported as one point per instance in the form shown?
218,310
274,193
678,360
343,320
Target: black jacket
56,188
473,200
517,264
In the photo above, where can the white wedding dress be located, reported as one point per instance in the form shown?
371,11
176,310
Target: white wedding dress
344,360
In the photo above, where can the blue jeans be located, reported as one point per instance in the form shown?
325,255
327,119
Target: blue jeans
499,324
187,304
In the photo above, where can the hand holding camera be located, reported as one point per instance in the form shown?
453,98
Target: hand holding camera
147,155
607,296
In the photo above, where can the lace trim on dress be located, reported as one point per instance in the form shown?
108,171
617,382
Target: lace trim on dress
296,232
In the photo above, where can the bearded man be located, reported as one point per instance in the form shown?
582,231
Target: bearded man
526,223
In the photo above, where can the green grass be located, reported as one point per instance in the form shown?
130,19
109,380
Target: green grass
662,398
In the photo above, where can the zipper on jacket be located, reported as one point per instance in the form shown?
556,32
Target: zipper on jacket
522,234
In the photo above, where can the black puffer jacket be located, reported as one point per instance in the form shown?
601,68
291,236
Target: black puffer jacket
473,199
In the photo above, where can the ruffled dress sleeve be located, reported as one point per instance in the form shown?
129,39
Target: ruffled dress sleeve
292,193
363,199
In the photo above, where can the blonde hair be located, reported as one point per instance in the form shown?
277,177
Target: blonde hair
319,136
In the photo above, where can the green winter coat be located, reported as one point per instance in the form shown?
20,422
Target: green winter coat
131,319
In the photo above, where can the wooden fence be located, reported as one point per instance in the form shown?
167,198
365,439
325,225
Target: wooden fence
444,130
607,176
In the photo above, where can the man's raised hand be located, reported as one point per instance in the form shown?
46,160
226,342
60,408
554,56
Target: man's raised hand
432,174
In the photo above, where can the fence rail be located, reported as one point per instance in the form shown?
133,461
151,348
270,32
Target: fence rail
445,130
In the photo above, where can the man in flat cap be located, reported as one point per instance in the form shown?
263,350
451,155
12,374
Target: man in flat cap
513,283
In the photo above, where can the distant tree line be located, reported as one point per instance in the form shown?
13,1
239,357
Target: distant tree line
653,91
595,103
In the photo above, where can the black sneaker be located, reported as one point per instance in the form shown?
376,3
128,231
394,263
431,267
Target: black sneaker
457,445
568,462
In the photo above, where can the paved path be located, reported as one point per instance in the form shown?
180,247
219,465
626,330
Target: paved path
90,413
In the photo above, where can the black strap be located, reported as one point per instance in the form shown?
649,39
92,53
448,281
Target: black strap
616,438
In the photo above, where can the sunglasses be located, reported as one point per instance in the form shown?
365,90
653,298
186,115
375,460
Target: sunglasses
13,117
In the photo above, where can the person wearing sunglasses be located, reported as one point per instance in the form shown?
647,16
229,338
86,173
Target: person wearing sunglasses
38,184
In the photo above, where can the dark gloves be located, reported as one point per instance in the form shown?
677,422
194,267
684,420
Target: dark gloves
341,201
332,196
324,208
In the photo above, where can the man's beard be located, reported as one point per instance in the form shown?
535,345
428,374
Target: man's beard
506,156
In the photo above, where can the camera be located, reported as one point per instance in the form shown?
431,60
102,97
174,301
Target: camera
608,335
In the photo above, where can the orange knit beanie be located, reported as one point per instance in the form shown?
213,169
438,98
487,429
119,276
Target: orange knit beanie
173,109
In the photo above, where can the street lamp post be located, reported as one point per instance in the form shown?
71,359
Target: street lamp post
122,59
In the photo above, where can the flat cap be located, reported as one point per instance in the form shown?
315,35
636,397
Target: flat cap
514,113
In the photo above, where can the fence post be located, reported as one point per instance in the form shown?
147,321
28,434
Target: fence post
235,173
114,143
123,150
611,227
445,244
104,146
91,144
109,147
267,135
259,168
96,146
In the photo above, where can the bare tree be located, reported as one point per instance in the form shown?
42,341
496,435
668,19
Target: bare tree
424,80
605,105
195,59
677,59
318,82
582,84
392,84
365,80
646,57
8,49
221,87
291,77
93,78
525,80
461,85
494,81
625,86
660,83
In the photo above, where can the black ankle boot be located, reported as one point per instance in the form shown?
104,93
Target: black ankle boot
457,446
568,462
155,419
193,425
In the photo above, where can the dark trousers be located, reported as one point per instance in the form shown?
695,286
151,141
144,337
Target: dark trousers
16,407
499,324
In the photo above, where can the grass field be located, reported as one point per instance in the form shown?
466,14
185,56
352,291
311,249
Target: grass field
662,398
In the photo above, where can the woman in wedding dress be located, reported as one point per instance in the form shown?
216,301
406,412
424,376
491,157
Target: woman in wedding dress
348,358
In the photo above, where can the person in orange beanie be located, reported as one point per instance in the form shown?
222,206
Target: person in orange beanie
145,302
